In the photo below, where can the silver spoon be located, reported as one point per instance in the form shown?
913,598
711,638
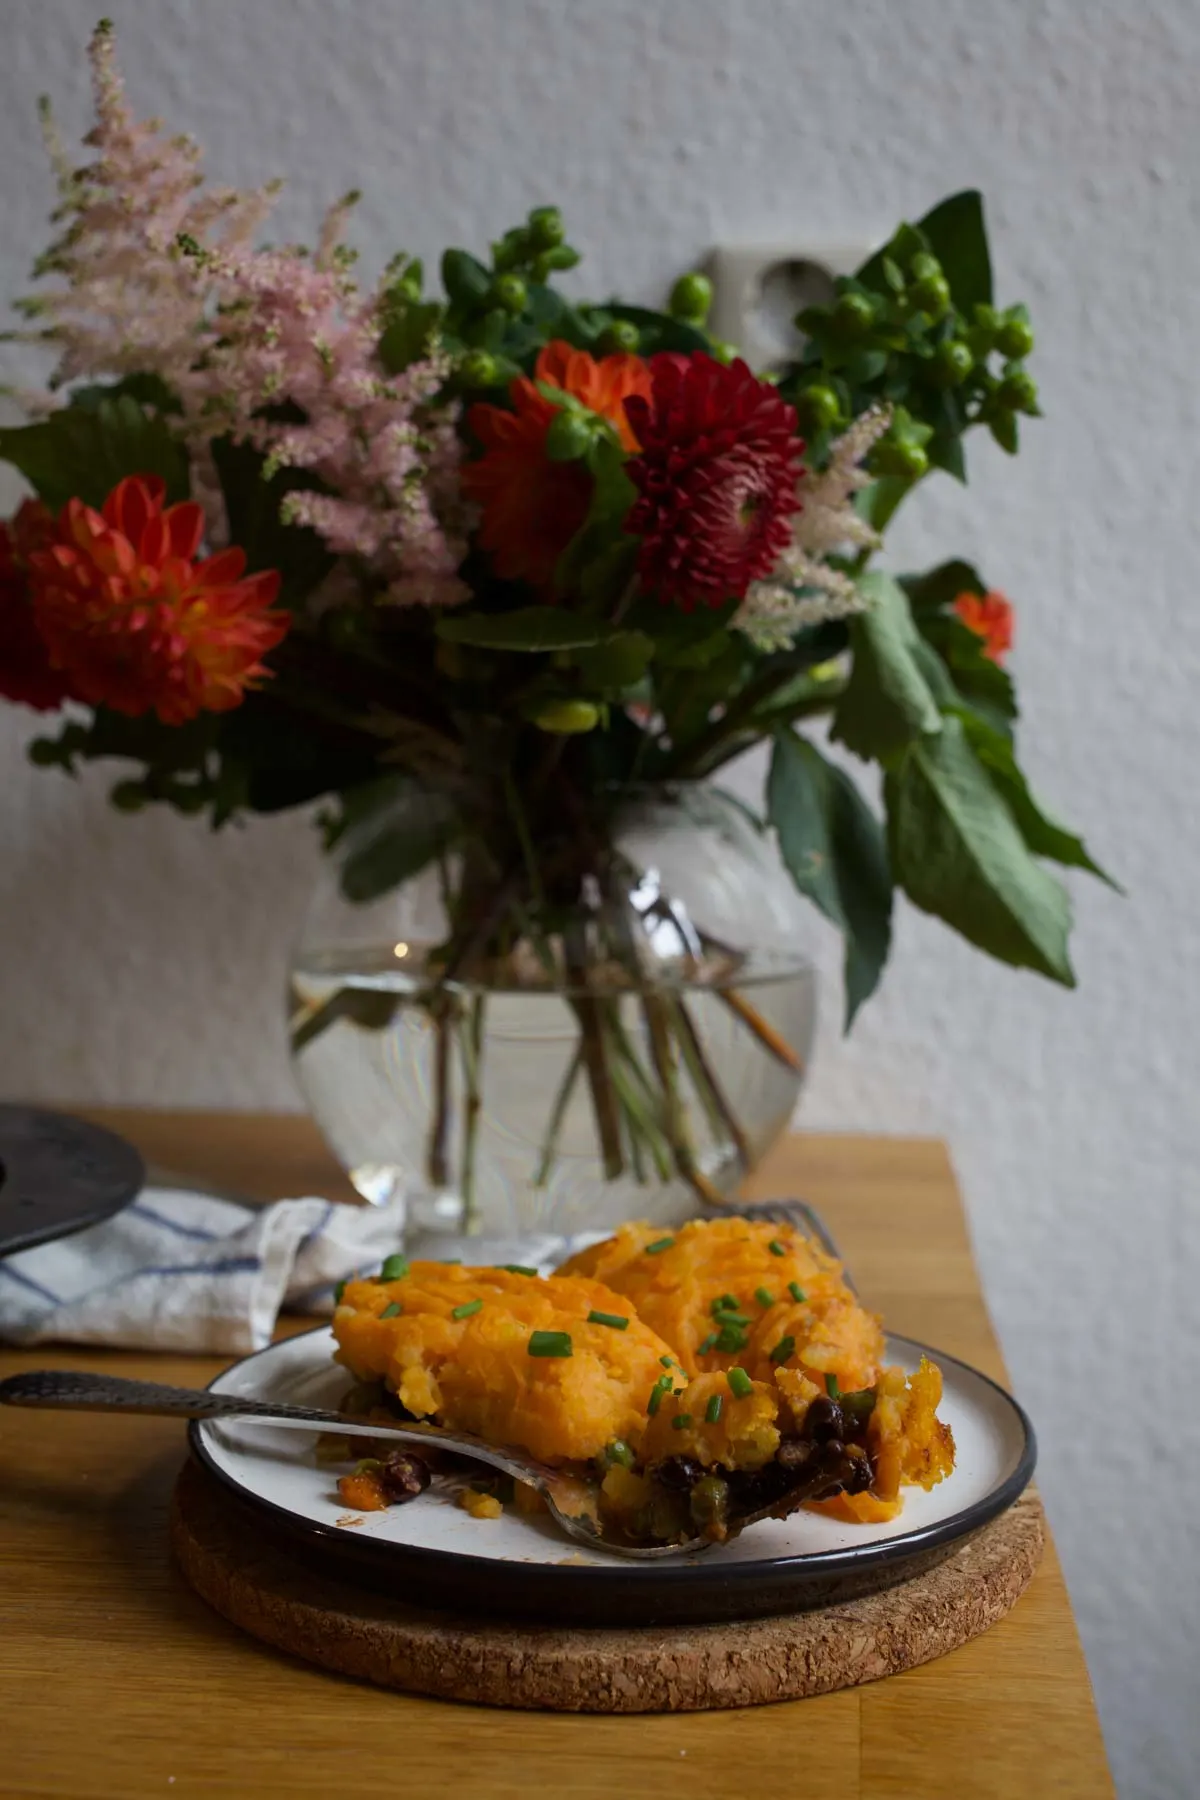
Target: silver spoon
572,1502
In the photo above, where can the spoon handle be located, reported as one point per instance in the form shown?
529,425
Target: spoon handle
77,1391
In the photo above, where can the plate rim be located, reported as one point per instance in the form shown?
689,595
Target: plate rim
686,1575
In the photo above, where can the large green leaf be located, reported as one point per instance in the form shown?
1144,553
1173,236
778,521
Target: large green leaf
393,852
252,503
834,847
957,852
82,452
957,236
528,628
1044,836
939,588
888,701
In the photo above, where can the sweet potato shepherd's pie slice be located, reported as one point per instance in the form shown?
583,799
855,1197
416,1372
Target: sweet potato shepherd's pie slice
691,1375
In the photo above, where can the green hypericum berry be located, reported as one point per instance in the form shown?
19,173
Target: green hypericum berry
925,267
478,369
899,456
1018,391
621,336
566,718
818,407
546,227
854,314
952,363
510,293
723,352
931,295
1014,338
569,436
691,297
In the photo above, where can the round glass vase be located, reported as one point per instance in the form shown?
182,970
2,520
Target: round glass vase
632,1060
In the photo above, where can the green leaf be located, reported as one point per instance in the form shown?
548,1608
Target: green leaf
405,338
834,847
617,664
888,701
465,280
82,452
529,629
877,503
957,235
1044,836
939,588
899,250
253,505
147,390
957,852
392,853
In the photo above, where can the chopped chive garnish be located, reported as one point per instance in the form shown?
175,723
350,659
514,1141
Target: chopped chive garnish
618,1451
518,1268
783,1349
860,1405
730,1339
679,1391
764,1297
832,1388
616,1320
467,1309
681,1421
666,1361
664,1382
338,1291
395,1268
797,1292
708,1343
726,1303
549,1343
655,1400
659,1245
776,1248
450,1262
740,1383
392,1310
712,1411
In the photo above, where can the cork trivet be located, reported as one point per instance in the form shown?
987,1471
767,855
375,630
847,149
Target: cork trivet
265,1587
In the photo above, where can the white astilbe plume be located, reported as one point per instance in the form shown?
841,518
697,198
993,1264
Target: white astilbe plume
159,276
803,589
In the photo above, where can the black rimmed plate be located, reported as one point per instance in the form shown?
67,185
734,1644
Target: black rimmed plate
59,1175
432,1551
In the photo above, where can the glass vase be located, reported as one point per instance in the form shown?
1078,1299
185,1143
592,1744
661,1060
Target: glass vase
620,1031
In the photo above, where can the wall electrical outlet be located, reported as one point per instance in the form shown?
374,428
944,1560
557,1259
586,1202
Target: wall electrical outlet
759,289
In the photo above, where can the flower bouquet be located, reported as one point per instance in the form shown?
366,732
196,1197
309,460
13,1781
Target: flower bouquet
491,570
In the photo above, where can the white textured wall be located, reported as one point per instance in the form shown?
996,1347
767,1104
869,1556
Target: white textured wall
141,960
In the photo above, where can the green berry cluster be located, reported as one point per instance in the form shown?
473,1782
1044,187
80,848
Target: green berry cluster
910,330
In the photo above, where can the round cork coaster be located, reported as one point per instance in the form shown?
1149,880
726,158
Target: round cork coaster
259,1582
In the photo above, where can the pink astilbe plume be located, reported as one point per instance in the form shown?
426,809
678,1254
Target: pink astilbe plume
160,277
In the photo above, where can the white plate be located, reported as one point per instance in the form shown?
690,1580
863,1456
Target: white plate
432,1545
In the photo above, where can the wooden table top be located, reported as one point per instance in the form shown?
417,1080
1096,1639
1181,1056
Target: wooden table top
116,1680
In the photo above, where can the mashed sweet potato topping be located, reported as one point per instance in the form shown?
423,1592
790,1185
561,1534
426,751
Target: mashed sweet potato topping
697,1370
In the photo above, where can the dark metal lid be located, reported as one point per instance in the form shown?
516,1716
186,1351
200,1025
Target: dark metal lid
59,1175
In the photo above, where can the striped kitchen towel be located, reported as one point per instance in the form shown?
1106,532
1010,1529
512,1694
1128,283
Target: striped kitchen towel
183,1271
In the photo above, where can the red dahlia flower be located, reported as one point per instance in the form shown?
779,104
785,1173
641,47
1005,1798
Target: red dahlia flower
990,617
136,622
716,479
26,672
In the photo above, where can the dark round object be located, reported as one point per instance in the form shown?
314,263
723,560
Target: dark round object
59,1175
404,1476
823,1422
678,1473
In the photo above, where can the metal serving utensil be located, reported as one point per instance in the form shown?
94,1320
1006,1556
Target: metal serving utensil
572,1502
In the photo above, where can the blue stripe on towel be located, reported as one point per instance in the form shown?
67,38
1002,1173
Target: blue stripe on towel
229,1265
140,1210
310,1237
35,1287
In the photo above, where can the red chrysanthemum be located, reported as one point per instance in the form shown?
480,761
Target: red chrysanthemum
716,479
533,507
136,623
26,672
990,617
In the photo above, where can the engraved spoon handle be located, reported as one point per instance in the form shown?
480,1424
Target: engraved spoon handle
80,1392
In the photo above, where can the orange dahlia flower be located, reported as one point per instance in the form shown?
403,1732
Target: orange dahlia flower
533,507
990,617
26,672
136,623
